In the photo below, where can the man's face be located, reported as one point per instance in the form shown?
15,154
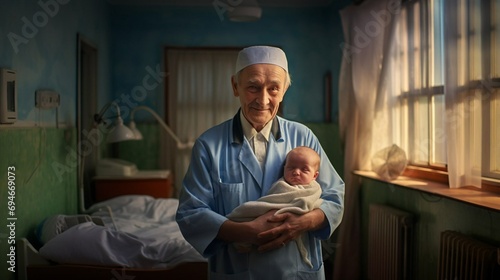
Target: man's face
261,88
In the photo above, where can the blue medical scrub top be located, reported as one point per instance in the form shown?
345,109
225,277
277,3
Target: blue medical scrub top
225,173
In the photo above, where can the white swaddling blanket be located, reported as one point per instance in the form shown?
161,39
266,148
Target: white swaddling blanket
297,199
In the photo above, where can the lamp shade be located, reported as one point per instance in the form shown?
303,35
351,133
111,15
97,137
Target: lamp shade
137,133
117,133
120,132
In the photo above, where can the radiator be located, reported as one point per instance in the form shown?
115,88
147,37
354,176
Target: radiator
389,243
464,257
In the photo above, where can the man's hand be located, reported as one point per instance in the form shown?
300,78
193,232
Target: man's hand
264,223
248,232
271,231
291,227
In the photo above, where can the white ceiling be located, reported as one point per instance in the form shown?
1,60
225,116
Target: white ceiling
263,3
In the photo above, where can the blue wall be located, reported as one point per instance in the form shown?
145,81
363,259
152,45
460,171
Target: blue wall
39,42
308,36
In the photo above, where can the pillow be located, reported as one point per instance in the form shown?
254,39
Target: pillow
57,224
90,244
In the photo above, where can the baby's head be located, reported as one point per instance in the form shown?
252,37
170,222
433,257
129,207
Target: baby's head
301,166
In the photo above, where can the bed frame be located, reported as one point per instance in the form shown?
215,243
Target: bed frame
32,266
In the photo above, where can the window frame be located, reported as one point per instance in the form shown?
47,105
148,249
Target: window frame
490,94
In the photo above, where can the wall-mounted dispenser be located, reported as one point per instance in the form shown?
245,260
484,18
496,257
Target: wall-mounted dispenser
8,96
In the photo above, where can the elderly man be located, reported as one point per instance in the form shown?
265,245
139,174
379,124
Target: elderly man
238,161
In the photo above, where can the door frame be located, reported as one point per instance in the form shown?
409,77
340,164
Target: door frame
87,84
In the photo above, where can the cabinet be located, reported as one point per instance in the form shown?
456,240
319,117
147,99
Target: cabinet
156,183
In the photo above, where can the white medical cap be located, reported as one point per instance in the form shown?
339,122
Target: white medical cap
261,54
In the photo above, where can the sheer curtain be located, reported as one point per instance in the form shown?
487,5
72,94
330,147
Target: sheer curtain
367,115
467,38
424,77
199,97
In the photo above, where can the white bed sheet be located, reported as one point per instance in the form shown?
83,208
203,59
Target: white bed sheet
140,232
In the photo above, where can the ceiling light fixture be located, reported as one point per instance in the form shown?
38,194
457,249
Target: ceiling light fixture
245,12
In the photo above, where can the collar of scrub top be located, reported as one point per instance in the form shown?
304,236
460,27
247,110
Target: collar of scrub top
239,135
251,132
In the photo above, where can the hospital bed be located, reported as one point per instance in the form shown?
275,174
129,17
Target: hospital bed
126,237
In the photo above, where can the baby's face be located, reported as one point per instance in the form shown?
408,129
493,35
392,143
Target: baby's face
299,170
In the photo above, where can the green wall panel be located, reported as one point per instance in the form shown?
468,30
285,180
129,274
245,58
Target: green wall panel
45,180
144,153
433,214
329,136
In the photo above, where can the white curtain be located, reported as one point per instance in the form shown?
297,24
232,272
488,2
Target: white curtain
200,96
367,115
393,57
467,54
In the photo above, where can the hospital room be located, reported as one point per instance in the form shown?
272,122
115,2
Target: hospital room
102,103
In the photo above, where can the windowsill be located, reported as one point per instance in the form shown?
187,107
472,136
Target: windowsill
474,197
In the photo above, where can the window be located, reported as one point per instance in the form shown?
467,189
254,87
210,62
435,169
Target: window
422,92
450,84
199,93
198,96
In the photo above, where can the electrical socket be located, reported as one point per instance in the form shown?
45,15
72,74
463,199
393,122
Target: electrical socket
47,99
